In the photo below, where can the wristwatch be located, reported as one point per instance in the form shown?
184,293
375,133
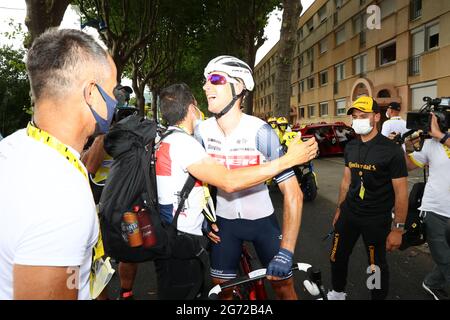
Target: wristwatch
444,138
398,225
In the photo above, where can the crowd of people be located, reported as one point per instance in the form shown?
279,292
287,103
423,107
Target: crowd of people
54,170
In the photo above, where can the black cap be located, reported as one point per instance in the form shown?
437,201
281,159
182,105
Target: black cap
126,88
395,106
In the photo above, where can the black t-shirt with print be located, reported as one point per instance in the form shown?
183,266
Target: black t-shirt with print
376,163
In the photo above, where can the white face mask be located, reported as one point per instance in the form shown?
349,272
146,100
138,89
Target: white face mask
362,126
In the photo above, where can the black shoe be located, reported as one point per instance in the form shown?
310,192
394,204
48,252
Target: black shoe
438,294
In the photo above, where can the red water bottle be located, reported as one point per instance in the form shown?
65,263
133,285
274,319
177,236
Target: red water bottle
146,227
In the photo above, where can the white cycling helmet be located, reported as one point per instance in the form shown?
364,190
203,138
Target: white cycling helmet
234,67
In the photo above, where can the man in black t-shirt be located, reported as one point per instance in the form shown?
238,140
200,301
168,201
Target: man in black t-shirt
375,181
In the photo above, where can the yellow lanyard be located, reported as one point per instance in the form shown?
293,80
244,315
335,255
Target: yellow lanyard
52,142
447,150
47,139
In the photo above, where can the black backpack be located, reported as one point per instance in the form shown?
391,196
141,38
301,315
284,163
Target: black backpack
415,234
132,181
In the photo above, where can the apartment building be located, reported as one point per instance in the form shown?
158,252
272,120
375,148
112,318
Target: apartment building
341,54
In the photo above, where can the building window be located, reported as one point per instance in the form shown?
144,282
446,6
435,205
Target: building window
300,34
302,86
360,64
415,9
338,3
340,71
387,53
340,107
310,25
418,91
322,13
340,36
311,111
323,46
425,38
387,7
301,112
433,36
324,109
359,23
310,54
311,83
362,2
323,78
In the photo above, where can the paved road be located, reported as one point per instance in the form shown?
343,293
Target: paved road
407,268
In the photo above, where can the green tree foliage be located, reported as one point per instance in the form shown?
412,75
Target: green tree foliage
183,34
15,104
126,26
238,29
14,90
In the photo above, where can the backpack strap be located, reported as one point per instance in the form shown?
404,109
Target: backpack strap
184,194
148,162
149,166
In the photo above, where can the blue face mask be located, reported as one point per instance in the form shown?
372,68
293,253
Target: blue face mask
103,124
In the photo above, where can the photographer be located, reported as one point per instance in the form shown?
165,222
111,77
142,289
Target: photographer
436,206
394,122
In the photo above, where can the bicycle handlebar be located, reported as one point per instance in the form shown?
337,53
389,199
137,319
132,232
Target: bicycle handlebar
313,285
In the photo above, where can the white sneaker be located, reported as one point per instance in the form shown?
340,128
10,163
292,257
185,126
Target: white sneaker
333,295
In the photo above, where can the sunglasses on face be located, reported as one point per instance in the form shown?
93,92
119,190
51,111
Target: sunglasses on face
218,79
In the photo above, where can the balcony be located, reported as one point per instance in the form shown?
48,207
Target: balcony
414,65
415,10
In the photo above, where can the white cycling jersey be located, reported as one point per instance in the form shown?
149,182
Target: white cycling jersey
252,142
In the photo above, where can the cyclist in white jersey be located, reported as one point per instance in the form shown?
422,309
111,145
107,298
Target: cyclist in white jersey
238,140
180,155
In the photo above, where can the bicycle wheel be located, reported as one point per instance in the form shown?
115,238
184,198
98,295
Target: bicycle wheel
309,186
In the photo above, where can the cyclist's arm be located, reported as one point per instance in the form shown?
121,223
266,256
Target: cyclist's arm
292,212
212,172
44,283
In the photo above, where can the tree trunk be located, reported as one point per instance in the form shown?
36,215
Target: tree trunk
155,94
251,56
42,15
284,57
139,89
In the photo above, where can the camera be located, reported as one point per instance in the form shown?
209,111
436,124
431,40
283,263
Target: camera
422,120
